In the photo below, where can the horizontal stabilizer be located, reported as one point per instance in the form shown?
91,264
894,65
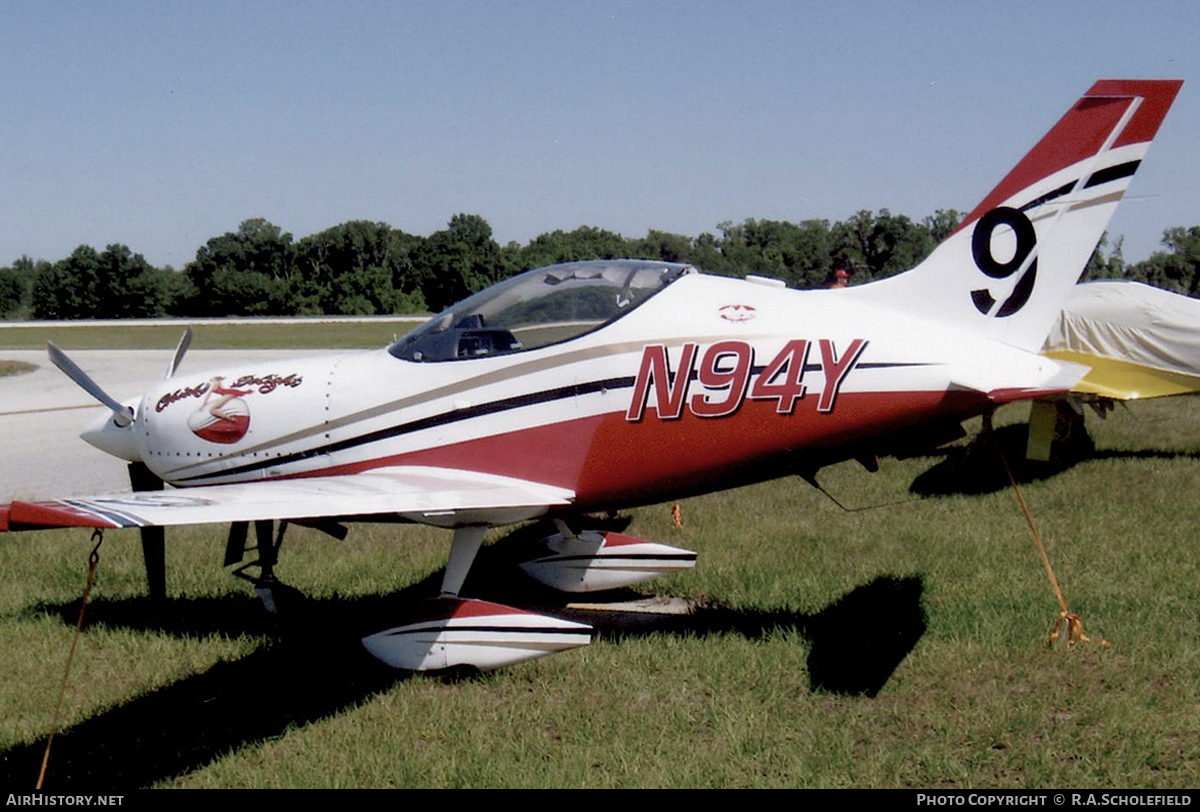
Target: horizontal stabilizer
1036,377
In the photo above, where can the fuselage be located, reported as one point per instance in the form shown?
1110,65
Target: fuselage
710,383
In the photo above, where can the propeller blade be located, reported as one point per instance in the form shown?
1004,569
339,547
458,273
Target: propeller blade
185,341
122,415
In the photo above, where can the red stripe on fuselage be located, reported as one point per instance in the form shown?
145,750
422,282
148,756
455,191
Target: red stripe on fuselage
610,461
656,460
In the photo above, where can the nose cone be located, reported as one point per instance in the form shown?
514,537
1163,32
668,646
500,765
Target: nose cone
106,435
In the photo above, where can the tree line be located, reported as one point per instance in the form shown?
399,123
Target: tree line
367,268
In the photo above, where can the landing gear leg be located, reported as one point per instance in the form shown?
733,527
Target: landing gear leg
467,541
265,583
153,538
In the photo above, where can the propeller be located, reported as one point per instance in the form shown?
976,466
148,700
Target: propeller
181,349
122,415
119,443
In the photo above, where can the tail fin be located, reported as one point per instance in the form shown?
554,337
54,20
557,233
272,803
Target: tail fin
1007,269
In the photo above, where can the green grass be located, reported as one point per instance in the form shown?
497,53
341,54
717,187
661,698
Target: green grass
208,335
724,698
15,367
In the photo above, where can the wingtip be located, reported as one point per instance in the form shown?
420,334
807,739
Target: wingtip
32,515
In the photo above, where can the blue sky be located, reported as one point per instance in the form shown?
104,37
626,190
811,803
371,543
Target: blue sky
162,124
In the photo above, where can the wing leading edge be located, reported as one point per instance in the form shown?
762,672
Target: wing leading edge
439,496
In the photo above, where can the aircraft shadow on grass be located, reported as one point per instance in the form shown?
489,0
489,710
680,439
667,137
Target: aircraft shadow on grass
976,469
315,667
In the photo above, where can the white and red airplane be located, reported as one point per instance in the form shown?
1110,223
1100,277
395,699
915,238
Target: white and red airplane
595,386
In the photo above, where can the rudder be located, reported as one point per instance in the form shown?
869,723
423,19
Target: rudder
1008,267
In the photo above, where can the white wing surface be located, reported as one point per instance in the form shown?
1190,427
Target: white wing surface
438,496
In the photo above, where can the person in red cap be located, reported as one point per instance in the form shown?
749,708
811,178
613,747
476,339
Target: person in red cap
841,279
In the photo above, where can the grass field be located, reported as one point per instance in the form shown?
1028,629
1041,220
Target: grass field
902,645
15,368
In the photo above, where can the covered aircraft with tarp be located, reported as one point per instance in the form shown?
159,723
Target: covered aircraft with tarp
1139,342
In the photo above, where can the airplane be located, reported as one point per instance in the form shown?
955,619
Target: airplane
1138,342
595,386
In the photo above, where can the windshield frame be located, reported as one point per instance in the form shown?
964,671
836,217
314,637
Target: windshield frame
488,323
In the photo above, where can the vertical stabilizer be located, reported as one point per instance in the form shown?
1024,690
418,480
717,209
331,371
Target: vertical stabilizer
1007,269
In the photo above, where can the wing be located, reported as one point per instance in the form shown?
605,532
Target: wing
438,496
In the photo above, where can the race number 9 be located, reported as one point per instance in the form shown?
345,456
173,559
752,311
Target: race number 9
985,260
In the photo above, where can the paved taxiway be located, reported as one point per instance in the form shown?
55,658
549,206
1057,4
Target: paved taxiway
42,413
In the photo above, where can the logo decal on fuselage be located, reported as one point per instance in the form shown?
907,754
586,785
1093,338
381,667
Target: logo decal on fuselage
726,371
737,312
223,415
